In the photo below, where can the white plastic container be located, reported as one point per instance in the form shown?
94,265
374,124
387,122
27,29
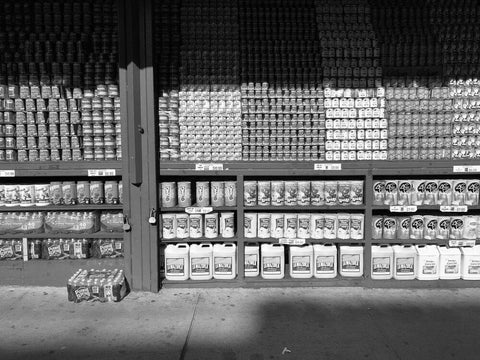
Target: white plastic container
277,224
225,261
428,259
182,226
303,231
176,261
263,226
290,226
351,261
405,260
382,262
227,224
252,260
325,256
331,225
201,259
169,227
273,261
470,263
211,225
450,263
196,226
317,223
250,225
301,261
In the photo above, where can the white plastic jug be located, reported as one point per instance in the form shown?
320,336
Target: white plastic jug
325,256
273,261
471,263
252,260
176,261
351,260
201,258
405,262
224,261
427,262
450,263
382,262
301,261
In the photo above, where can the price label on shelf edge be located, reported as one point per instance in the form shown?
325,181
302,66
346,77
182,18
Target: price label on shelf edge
296,241
466,169
461,243
102,172
404,209
7,173
198,210
328,167
209,167
462,208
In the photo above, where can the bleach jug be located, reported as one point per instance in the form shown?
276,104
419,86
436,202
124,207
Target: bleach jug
351,260
428,259
176,261
471,263
405,262
201,258
450,259
301,261
382,262
224,261
273,261
325,256
252,260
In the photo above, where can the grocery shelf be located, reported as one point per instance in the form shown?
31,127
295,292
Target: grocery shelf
61,208
60,168
213,283
305,208
182,209
422,284
425,208
100,234
288,281
199,240
308,241
411,241
50,272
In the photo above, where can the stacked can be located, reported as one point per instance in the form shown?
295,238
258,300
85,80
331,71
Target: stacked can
215,193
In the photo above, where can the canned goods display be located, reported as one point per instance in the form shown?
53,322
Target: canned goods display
214,193
194,226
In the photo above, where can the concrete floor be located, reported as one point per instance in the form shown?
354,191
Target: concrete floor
250,324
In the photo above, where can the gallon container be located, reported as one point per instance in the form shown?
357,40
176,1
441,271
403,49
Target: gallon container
325,256
252,260
224,261
428,260
471,263
176,262
273,261
405,260
201,258
301,261
351,260
450,261
382,262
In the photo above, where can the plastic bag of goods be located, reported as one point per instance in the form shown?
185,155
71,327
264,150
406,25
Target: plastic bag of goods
111,221
97,285
55,249
11,249
21,223
72,222
107,248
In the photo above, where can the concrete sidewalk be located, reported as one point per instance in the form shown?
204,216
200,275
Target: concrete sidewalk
250,324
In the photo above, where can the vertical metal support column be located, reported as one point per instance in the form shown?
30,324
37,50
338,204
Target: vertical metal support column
367,255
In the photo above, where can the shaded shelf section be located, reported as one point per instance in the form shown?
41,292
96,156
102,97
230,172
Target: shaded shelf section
307,241
422,284
420,208
59,168
50,272
213,283
164,209
199,240
413,241
100,234
305,208
61,208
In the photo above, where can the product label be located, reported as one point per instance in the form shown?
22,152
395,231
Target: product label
328,167
429,267
396,208
251,263
461,208
381,266
474,267
200,266
198,210
223,265
102,172
209,167
175,266
7,173
106,249
405,266
325,264
6,252
466,169
82,293
351,263
272,265
301,264
54,251
451,267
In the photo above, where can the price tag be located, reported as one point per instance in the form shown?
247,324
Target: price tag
102,172
209,167
466,169
461,243
7,173
327,167
198,210
285,241
462,208
403,209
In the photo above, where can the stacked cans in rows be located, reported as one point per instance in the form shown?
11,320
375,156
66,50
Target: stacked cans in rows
420,123
426,192
304,225
356,124
195,226
426,227
349,49
62,193
303,193
169,127
210,123
214,193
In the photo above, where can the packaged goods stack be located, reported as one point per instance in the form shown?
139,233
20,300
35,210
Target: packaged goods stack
282,98
97,285
356,128
167,63
209,97
59,98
